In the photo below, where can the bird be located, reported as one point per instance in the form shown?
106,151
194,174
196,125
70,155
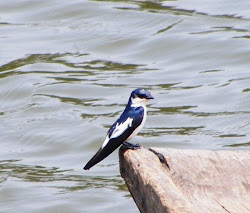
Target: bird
126,126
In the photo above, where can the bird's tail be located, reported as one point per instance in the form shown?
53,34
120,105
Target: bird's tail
100,155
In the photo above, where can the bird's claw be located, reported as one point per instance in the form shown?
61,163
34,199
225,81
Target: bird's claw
132,146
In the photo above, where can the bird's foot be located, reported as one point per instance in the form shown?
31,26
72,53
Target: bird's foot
131,146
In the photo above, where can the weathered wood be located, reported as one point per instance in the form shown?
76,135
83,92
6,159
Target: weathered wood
178,181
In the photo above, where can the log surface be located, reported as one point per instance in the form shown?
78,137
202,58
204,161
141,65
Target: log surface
178,181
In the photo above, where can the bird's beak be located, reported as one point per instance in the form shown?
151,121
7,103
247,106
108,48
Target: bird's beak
150,97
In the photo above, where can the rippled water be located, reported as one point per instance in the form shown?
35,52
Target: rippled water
67,70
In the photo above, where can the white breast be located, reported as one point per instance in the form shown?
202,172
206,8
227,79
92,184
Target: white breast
138,129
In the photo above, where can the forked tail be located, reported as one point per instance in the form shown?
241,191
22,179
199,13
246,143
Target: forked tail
101,154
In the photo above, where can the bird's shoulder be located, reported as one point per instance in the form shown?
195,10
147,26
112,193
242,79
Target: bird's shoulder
133,112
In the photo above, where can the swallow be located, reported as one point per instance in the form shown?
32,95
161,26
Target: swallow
126,127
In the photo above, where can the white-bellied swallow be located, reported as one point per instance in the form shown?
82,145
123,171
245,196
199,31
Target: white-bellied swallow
127,126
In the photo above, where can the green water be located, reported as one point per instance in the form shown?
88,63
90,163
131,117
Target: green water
67,69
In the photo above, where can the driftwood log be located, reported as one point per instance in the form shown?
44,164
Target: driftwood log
183,181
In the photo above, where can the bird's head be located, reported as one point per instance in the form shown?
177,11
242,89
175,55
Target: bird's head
140,97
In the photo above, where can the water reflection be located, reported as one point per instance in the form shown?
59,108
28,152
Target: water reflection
230,135
171,110
80,66
154,132
238,145
154,7
55,177
187,110
74,101
221,29
167,28
36,58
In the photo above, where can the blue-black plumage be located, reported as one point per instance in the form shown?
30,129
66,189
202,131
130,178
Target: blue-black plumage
127,126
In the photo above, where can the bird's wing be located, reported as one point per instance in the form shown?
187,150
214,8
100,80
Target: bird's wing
126,124
117,134
129,118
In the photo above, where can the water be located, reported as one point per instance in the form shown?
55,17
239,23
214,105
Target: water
67,70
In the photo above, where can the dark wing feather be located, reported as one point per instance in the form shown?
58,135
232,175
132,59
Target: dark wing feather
114,143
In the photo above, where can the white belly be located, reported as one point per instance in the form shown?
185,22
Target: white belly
138,129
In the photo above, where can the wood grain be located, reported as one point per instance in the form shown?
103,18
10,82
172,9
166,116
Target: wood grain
173,180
